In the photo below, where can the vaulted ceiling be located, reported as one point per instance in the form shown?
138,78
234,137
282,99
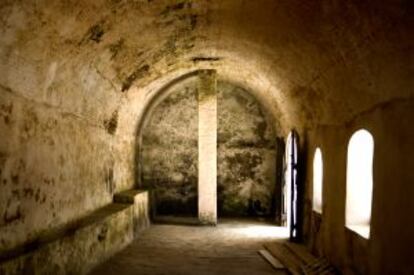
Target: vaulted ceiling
312,62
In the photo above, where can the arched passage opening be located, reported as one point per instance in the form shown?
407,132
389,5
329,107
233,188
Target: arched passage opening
246,163
168,150
246,152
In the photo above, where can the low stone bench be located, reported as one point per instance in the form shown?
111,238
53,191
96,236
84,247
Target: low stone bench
77,247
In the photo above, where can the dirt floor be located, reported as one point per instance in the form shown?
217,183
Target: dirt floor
231,247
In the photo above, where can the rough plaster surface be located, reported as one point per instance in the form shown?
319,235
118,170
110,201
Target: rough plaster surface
170,152
388,251
78,246
245,153
85,70
48,168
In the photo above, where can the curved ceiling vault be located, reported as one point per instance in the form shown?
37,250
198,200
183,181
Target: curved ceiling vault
312,62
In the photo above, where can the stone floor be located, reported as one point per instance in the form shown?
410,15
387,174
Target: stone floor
229,248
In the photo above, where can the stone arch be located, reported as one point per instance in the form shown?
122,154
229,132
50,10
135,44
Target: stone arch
162,94
246,150
154,100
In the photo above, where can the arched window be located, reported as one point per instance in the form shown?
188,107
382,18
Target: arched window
317,180
359,182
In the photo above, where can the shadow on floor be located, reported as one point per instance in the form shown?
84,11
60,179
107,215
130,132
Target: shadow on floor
186,220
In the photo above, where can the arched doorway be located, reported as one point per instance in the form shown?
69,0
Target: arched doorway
169,152
246,146
246,150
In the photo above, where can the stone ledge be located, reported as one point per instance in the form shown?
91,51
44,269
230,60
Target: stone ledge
57,233
129,196
78,246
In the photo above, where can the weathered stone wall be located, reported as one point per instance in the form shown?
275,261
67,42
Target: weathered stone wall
80,245
60,157
92,66
170,152
389,248
246,153
49,171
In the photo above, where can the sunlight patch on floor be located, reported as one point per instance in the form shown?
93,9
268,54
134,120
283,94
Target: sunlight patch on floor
264,231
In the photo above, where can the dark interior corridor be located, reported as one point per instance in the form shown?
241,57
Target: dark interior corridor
120,120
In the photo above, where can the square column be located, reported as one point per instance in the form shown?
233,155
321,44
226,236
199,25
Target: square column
207,147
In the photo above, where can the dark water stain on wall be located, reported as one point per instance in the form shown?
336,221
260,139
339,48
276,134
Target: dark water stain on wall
170,152
246,154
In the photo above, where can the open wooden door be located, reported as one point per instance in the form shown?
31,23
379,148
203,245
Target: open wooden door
290,188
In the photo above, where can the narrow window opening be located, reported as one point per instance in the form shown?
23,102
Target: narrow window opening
317,180
359,182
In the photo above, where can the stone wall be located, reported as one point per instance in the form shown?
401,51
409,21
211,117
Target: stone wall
76,76
49,168
170,152
388,250
80,245
246,153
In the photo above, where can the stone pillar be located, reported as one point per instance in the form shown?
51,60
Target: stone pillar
207,147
